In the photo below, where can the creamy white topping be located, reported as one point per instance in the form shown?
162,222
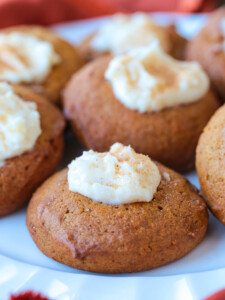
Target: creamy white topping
19,124
147,79
123,33
25,58
116,177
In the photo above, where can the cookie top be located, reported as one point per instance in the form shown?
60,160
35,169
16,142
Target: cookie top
65,63
93,236
125,32
147,79
210,163
118,176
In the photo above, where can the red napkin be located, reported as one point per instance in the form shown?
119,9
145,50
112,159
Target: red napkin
220,295
29,295
45,12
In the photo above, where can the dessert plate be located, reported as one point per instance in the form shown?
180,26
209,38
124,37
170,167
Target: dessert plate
23,266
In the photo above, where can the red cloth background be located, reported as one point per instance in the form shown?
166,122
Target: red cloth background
220,295
45,12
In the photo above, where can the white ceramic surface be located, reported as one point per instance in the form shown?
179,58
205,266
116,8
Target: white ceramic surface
23,266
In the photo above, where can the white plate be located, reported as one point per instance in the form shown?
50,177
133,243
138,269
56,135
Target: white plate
23,266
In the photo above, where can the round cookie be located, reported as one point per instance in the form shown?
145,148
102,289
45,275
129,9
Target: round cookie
178,44
70,62
92,236
207,48
98,119
210,164
21,175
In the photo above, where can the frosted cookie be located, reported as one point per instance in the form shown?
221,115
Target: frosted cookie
31,144
116,212
208,47
38,58
144,98
123,33
210,164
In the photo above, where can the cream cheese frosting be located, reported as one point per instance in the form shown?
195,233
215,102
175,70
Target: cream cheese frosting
147,79
125,32
116,177
25,58
19,124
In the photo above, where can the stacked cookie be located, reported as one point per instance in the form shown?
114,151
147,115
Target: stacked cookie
35,66
136,106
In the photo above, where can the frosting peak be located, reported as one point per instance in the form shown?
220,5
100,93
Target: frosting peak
116,177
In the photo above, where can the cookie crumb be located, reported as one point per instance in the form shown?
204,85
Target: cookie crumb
166,176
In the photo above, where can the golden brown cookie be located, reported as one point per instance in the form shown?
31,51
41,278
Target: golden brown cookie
210,164
70,62
99,120
21,175
97,237
178,44
207,48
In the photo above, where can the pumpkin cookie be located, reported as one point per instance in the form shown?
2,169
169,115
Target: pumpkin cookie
38,58
150,217
210,164
31,139
208,47
146,99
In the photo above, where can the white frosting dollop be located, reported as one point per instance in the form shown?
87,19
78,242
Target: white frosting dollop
125,32
116,177
147,79
25,58
19,124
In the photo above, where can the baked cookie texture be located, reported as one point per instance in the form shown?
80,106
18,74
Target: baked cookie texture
99,120
178,44
21,175
70,62
207,48
210,164
92,236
